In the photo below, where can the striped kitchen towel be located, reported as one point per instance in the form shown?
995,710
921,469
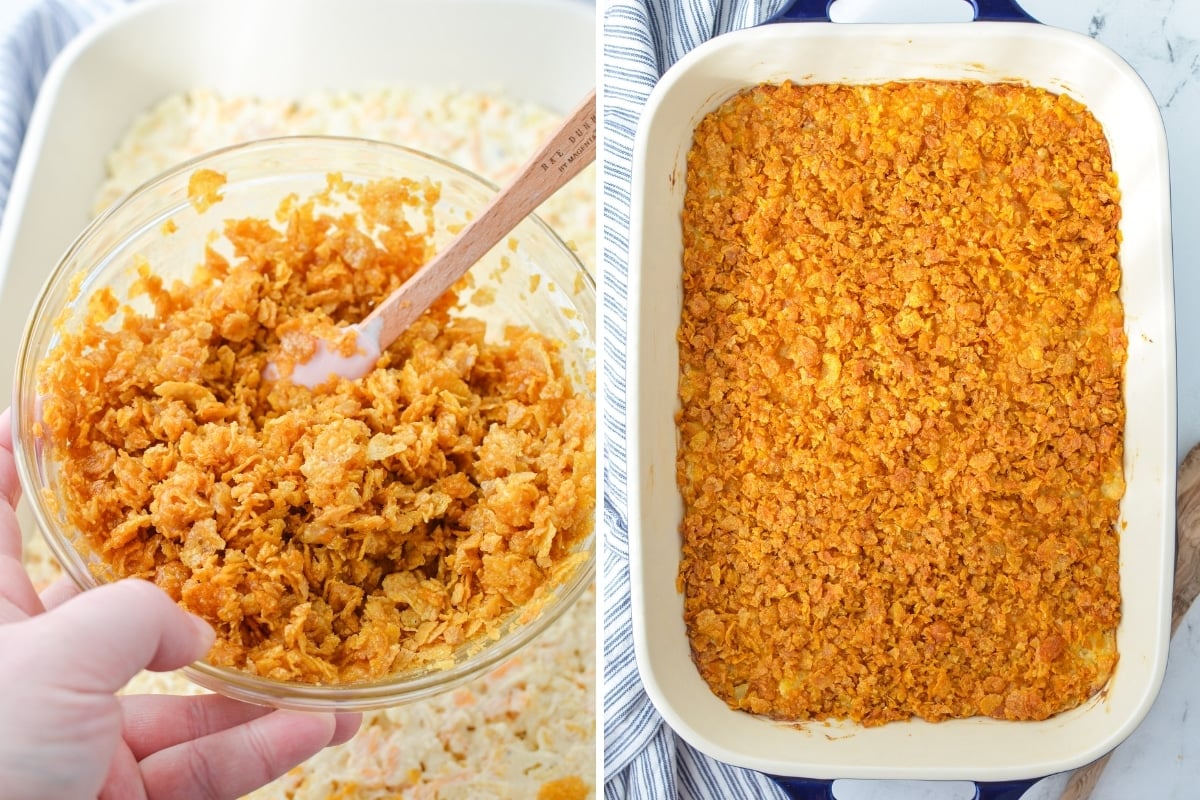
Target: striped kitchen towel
26,52
643,758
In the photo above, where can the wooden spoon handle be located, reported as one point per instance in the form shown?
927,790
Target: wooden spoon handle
563,156
1083,781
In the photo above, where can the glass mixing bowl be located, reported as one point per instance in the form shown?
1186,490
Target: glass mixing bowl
532,279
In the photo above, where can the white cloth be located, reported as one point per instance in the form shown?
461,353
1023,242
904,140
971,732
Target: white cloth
643,758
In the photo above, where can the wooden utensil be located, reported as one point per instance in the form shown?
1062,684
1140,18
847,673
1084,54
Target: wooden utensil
563,155
1083,781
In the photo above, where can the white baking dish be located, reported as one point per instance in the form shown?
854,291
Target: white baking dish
536,50
972,749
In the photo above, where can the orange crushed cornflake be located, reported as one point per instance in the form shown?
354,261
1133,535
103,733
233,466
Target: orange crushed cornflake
331,535
901,355
204,189
571,787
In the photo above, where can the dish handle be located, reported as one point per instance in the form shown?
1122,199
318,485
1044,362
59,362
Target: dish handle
807,789
985,10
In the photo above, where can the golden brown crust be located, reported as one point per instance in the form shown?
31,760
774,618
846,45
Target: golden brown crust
332,535
901,421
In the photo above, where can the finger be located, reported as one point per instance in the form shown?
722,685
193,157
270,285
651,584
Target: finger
347,726
59,592
123,628
124,779
16,588
156,722
10,528
10,492
236,761
10,487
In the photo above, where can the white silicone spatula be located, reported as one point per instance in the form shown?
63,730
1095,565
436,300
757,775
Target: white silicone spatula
563,155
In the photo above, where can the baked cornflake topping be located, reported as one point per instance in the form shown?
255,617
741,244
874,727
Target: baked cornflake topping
901,367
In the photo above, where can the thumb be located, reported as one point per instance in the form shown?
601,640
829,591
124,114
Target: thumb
105,636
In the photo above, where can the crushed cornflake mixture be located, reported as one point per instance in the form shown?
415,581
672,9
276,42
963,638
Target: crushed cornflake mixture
333,535
528,728
901,355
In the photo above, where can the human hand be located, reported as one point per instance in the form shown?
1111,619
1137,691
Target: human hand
63,731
